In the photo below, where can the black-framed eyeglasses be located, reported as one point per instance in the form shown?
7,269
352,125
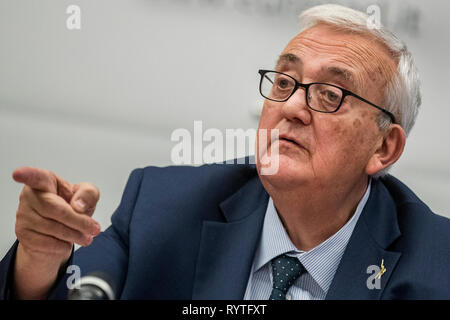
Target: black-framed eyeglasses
320,97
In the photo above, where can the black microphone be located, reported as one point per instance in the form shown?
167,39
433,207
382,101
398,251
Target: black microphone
94,286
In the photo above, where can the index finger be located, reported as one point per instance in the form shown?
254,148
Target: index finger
43,180
36,178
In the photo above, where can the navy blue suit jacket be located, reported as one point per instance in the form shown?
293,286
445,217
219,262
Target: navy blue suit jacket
191,233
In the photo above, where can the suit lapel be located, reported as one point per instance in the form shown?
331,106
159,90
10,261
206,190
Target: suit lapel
376,229
227,248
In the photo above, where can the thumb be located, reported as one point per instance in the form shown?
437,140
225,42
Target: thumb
85,198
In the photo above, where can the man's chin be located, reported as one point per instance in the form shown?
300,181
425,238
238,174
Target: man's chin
290,173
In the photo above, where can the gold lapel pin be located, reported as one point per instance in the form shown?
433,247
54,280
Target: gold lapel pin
382,270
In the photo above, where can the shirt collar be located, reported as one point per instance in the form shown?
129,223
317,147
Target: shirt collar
320,262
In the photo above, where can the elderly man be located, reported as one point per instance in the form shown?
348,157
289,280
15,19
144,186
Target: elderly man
328,224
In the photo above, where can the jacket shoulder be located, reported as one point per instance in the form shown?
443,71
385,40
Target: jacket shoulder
413,214
411,207
193,189
220,177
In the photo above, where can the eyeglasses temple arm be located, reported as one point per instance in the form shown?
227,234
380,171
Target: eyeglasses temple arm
373,105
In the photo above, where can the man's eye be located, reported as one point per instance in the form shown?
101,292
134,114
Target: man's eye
331,96
283,83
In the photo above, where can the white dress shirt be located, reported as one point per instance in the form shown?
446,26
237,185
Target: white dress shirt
320,262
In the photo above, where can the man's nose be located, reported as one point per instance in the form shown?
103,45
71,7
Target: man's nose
296,109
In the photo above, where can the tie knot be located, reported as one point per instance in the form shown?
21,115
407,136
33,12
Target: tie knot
285,271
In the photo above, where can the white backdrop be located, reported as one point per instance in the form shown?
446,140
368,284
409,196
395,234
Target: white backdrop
95,103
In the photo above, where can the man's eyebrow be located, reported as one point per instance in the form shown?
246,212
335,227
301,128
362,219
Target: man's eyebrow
288,58
343,74
337,72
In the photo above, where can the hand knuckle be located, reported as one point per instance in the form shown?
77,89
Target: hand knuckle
56,210
45,204
22,221
19,231
19,224
20,214
60,210
45,197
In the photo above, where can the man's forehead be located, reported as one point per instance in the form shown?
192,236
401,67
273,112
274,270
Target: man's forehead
325,40
351,56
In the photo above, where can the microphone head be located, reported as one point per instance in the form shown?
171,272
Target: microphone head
94,286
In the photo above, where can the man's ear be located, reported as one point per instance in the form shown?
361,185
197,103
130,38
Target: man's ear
389,150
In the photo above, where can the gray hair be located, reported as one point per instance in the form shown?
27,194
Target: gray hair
402,93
